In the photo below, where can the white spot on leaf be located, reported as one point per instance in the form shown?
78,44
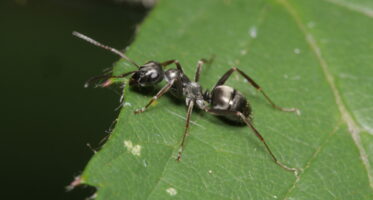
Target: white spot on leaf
134,149
296,77
311,24
297,51
127,104
347,76
171,191
128,144
253,32
145,163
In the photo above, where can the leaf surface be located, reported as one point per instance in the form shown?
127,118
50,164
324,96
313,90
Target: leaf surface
313,55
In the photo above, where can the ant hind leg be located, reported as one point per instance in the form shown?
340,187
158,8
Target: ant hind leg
260,137
225,77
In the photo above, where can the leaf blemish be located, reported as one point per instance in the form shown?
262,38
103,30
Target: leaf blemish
145,163
128,144
347,76
296,77
311,24
171,191
253,32
127,104
297,51
134,149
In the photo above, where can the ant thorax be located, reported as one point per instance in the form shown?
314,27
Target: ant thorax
178,80
192,91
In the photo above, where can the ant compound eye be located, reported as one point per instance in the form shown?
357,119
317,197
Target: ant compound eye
152,74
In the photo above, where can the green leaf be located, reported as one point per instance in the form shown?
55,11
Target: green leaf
314,55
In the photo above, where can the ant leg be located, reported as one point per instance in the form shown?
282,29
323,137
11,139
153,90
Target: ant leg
168,62
189,113
199,68
157,96
250,125
108,77
176,62
200,63
225,77
94,79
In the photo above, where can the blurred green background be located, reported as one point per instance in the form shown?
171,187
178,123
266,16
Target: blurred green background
48,117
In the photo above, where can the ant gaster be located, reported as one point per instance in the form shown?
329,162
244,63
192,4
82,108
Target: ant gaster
223,100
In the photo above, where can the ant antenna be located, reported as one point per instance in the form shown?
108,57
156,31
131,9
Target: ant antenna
94,42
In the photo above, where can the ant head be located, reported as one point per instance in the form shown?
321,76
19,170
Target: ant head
148,74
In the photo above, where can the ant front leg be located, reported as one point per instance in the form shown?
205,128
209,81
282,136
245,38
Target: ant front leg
157,96
251,126
108,78
225,77
176,62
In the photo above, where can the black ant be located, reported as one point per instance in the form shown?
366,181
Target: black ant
222,101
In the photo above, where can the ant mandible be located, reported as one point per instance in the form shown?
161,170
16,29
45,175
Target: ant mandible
223,100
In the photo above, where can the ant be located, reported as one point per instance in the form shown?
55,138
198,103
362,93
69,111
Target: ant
222,101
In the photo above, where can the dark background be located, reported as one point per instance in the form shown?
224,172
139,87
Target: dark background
48,117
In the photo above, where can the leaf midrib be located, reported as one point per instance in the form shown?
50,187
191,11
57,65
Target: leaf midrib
353,128
350,6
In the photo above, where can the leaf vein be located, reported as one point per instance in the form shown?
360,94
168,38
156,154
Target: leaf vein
353,128
354,7
313,157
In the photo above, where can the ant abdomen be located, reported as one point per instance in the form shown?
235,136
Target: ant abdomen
225,98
